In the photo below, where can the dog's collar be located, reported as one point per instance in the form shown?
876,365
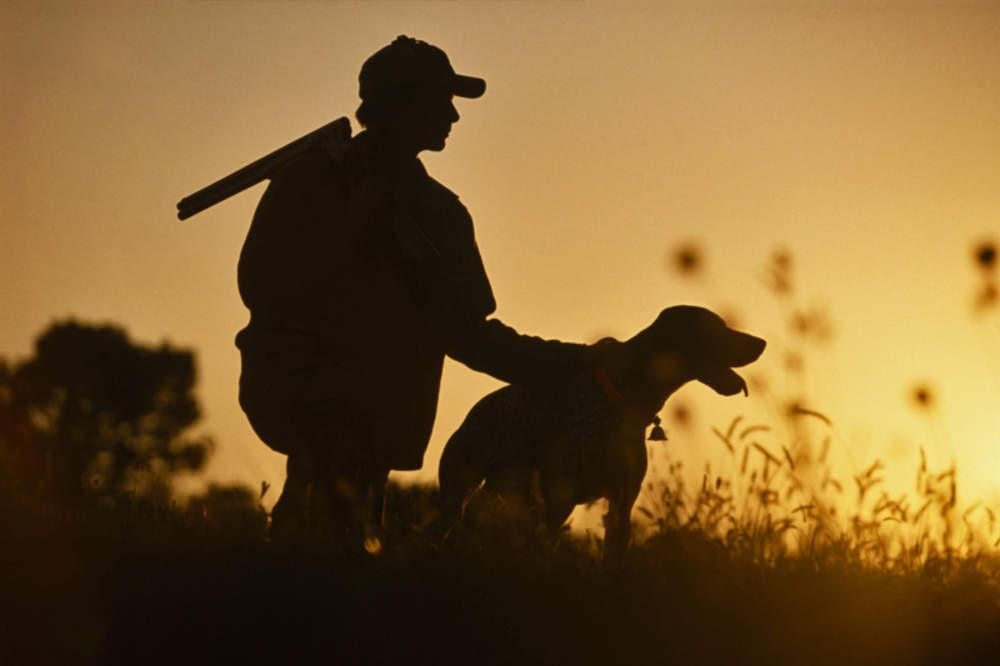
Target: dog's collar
608,386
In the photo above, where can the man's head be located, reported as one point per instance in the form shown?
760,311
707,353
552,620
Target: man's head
406,90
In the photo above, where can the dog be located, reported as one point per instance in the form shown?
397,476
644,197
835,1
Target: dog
551,449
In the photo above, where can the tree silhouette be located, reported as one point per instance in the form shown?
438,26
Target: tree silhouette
93,415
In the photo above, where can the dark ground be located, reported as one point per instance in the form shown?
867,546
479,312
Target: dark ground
140,585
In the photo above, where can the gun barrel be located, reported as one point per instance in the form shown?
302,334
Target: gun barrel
258,170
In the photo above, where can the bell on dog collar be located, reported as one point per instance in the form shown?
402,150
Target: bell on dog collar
657,434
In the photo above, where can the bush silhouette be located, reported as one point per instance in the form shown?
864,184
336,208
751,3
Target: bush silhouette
92,414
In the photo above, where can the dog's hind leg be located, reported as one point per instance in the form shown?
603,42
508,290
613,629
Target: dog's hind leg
459,474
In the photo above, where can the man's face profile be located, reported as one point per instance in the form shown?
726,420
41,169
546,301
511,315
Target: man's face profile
430,120
419,122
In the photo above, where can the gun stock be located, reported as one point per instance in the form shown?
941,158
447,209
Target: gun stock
337,132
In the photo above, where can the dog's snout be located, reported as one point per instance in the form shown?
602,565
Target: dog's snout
745,348
735,349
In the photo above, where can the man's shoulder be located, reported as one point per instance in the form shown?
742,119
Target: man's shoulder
313,166
309,182
443,201
438,189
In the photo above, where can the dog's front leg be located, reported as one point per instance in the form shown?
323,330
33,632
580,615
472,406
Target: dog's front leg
617,529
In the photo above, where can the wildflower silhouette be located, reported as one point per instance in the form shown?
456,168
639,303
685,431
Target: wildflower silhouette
987,296
779,272
793,408
794,362
986,256
813,324
681,414
687,259
923,397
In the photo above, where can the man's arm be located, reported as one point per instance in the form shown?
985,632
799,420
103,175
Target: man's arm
271,267
462,299
490,346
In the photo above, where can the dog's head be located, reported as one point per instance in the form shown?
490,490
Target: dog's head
688,342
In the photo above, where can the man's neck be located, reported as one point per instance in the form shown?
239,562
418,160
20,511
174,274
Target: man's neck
387,148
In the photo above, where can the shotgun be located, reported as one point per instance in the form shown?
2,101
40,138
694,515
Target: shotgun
333,135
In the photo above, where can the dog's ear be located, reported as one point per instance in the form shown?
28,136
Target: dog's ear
740,349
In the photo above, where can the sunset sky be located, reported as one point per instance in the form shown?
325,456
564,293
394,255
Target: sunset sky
862,139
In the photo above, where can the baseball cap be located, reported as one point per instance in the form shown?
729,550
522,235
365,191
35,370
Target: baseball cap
410,64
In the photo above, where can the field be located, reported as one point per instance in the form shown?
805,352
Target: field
734,571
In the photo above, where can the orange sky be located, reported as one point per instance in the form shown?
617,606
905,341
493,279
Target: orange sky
863,140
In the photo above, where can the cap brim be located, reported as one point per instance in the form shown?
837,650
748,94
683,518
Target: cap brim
468,86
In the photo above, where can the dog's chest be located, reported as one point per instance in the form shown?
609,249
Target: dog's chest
591,447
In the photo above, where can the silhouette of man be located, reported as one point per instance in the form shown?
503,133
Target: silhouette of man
361,272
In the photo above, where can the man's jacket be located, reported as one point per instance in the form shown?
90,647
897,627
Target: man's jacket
361,273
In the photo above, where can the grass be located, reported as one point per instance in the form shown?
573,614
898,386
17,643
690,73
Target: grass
755,569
